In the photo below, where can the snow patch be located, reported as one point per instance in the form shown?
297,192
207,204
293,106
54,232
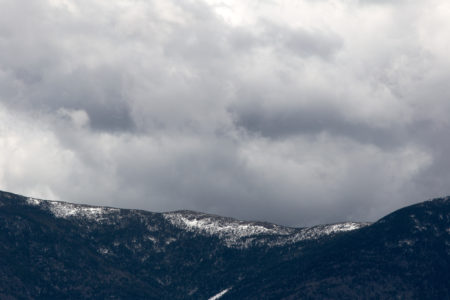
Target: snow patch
213,225
152,239
233,233
406,242
33,201
323,230
103,251
240,234
219,295
170,241
67,210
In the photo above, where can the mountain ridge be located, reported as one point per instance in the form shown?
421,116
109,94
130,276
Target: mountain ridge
201,223
52,249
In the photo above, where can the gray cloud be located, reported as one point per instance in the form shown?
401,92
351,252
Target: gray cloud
280,122
297,112
301,42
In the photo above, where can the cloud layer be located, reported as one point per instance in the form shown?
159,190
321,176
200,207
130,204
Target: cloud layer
299,112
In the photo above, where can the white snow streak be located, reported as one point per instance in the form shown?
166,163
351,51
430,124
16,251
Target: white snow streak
219,295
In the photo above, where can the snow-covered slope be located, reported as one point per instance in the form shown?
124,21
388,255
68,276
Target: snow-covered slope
240,234
234,233
67,210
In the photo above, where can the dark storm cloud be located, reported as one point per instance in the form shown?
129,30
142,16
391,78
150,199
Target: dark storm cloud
278,122
299,112
44,76
98,92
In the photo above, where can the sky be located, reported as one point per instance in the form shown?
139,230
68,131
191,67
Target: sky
298,112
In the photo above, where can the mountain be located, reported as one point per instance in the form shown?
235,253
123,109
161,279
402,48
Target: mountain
405,255
52,249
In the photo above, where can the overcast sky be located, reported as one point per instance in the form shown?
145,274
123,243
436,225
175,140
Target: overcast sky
297,112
